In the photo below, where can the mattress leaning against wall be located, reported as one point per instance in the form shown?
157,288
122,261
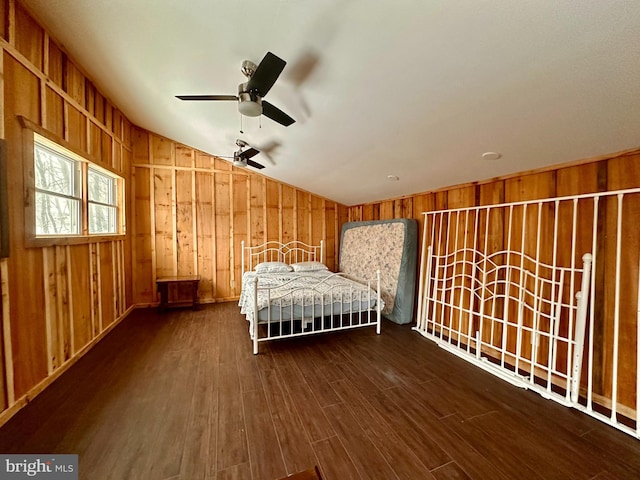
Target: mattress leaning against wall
390,246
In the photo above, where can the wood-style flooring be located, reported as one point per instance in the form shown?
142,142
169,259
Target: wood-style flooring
180,396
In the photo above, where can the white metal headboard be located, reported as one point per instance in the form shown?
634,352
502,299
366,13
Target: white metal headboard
290,252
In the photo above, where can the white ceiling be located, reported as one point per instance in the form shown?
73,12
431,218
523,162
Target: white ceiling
413,88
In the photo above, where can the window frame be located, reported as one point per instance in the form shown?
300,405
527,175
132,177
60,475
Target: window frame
34,133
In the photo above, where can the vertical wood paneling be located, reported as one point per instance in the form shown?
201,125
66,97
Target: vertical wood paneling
54,120
239,228
4,12
95,144
50,311
161,151
73,81
184,223
331,236
222,201
54,64
100,111
368,212
302,212
206,215
8,394
386,210
287,212
62,304
96,288
256,214
318,220
76,128
127,270
163,214
143,273
29,36
107,291
80,285
272,202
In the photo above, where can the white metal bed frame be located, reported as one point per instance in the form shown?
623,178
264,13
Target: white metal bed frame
322,318
526,320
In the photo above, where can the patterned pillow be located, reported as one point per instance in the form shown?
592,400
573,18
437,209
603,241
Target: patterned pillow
272,267
308,266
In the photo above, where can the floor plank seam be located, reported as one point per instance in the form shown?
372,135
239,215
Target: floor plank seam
273,424
442,466
480,415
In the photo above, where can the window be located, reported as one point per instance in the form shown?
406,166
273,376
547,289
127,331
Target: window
58,192
103,207
73,197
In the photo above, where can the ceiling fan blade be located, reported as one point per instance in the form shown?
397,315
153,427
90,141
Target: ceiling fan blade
266,74
207,97
275,114
255,164
250,153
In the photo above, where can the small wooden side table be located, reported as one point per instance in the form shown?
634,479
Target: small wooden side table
164,283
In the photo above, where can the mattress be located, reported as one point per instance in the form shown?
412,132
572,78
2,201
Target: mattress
390,246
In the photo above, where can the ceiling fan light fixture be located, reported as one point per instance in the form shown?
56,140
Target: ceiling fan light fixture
250,107
240,163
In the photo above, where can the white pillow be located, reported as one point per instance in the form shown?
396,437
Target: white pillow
272,267
308,266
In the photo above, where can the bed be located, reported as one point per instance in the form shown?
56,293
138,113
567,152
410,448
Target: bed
287,292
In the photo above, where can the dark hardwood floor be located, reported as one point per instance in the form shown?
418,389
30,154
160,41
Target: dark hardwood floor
180,396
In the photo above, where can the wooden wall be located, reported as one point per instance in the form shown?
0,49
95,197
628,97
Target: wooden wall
56,301
192,210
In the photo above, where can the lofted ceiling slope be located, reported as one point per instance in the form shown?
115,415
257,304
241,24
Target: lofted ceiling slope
412,88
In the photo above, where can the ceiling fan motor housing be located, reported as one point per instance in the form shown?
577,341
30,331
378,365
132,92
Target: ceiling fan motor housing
239,160
249,103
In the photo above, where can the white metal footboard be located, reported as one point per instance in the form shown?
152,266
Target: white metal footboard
308,310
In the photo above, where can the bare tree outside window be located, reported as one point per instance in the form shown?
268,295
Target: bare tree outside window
58,194
102,202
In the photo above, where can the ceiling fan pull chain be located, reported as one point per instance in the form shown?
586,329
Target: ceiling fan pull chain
241,124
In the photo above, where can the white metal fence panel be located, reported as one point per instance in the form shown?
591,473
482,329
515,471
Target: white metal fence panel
543,294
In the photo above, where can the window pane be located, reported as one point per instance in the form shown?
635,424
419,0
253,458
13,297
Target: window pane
55,173
56,215
101,187
102,219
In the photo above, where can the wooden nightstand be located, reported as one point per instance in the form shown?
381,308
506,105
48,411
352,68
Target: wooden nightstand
164,283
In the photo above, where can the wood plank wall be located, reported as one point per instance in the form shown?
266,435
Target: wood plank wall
193,210
56,301
610,173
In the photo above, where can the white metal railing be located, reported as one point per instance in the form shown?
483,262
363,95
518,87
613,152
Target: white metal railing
543,294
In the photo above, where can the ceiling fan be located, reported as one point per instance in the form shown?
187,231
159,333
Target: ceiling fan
260,79
242,159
